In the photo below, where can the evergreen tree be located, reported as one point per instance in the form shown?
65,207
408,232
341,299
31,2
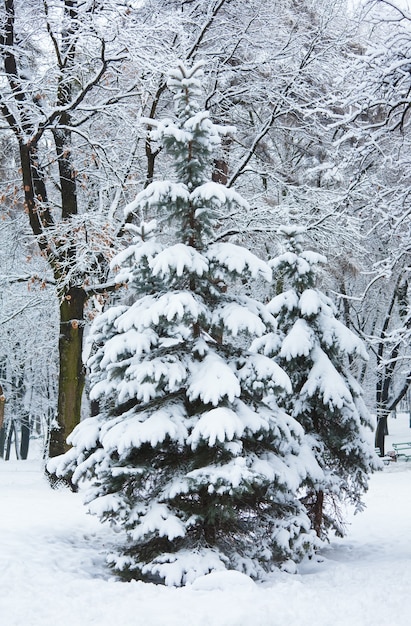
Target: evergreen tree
316,350
185,455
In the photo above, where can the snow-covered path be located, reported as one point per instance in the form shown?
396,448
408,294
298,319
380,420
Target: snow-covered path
52,567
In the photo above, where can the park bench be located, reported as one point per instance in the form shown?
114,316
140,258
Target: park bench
402,450
385,459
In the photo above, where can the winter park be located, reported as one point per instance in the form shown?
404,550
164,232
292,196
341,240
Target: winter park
205,379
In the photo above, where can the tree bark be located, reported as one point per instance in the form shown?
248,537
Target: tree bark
2,403
24,438
382,417
71,375
318,512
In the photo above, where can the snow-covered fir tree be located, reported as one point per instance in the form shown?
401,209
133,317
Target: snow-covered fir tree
316,350
185,455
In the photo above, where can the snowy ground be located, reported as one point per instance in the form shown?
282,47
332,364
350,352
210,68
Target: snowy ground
52,567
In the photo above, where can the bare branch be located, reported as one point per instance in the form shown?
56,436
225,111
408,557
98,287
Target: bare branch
29,305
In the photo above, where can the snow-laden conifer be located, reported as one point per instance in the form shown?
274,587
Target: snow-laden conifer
316,350
185,455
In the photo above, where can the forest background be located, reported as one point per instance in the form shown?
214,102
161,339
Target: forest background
319,93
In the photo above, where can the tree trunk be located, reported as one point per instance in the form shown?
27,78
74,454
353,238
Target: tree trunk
382,418
318,512
24,437
11,432
386,365
2,429
71,376
2,403
384,408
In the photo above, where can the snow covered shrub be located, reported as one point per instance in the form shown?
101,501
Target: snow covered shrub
185,455
315,350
